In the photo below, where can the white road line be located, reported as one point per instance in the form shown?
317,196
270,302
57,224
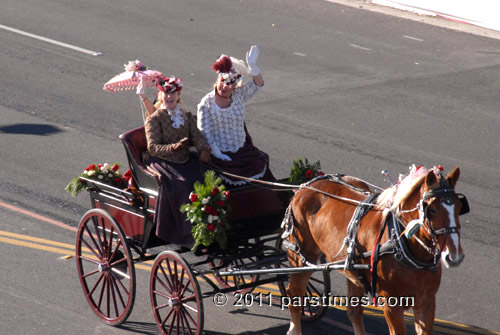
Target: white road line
359,47
41,38
413,38
299,54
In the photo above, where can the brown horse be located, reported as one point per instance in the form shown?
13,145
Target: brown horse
321,214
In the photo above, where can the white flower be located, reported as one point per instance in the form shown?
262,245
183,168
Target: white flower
110,175
216,218
91,173
100,176
210,219
205,200
104,167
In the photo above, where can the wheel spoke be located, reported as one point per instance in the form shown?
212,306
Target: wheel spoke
190,308
97,254
93,261
113,295
90,273
113,254
117,290
172,323
168,287
174,280
166,318
96,284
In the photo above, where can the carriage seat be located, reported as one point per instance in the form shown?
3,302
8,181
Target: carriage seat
135,144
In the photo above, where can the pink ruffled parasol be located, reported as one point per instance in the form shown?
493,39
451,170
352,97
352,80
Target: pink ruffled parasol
129,79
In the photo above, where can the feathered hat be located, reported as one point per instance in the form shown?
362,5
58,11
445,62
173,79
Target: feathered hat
169,85
230,69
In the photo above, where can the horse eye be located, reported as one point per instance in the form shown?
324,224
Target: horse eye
432,211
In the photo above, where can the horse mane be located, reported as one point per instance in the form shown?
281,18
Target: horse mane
395,196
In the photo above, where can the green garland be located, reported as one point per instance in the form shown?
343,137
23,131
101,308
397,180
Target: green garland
303,171
105,173
208,212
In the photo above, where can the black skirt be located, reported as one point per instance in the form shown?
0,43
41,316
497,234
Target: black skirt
177,180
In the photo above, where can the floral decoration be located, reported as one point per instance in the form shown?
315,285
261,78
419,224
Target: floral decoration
208,211
135,66
303,171
105,173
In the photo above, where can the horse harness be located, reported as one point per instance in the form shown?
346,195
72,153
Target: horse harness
396,245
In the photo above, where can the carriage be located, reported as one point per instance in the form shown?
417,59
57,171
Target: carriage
117,235
273,240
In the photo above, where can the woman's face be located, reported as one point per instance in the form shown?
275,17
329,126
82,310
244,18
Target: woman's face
224,89
170,100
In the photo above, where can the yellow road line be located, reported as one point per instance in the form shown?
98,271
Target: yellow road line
37,239
21,240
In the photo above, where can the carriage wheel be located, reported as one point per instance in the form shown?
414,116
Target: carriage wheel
105,267
319,286
175,296
235,280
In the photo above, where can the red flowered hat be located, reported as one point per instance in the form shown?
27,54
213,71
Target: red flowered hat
230,69
169,85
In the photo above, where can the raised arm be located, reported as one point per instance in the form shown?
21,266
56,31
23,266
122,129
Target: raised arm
252,56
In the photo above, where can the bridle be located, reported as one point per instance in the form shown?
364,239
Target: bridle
447,194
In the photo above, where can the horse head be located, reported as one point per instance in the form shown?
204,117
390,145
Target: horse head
441,207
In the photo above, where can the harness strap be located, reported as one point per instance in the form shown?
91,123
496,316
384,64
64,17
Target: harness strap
374,262
352,229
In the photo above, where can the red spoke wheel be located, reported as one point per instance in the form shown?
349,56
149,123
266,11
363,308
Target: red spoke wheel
175,296
318,286
105,267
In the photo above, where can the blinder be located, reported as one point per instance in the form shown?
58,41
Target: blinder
465,204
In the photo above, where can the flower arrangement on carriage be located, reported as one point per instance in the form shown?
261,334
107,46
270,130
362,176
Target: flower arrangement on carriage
208,211
302,171
105,173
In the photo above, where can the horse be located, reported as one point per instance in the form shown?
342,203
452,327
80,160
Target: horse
402,239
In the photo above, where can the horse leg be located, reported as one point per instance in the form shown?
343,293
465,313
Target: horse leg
296,290
424,318
355,313
395,320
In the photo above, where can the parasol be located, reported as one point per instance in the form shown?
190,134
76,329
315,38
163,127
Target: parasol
129,79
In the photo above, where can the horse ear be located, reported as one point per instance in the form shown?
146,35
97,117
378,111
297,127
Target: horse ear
430,179
453,177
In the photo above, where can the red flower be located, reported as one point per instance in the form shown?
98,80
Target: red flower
215,190
91,167
220,203
440,167
321,173
210,227
222,223
118,180
115,167
127,175
214,212
208,209
226,194
193,197
309,174
100,166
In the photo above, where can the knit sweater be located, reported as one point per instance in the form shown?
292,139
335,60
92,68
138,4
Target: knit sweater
161,136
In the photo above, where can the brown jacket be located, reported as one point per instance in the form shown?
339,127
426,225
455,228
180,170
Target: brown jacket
161,136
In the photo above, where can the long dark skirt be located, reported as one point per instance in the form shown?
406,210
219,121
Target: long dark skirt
172,226
248,161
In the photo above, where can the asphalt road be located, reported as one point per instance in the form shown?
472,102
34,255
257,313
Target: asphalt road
359,90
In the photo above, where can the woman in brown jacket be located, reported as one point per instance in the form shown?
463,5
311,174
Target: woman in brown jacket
170,132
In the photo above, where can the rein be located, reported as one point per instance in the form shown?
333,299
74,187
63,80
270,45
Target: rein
290,187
